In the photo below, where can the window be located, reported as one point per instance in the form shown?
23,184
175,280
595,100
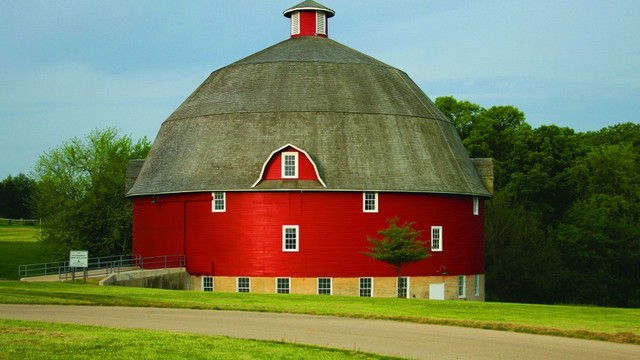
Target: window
295,23
436,238
283,285
477,285
370,202
324,286
207,283
366,287
290,165
218,202
244,284
403,287
476,206
321,23
290,238
462,286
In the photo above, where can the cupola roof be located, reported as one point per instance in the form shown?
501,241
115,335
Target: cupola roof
309,5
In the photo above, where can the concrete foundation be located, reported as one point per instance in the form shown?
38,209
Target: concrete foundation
419,286
171,279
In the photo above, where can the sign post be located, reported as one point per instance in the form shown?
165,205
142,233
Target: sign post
78,259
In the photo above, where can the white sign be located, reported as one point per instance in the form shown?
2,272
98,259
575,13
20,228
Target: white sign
79,258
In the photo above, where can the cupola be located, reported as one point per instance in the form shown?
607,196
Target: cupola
309,19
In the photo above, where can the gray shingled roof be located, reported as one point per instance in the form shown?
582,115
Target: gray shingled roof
365,124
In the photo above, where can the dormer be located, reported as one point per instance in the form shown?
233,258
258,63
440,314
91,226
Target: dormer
289,168
309,19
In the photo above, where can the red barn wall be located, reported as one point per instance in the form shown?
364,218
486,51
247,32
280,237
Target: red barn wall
246,240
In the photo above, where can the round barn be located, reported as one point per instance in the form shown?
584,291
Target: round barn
272,174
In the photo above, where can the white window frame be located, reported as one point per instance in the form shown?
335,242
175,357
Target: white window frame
222,200
295,23
436,230
284,238
462,286
476,205
321,23
365,201
284,165
288,288
408,287
248,288
476,285
206,287
369,289
321,290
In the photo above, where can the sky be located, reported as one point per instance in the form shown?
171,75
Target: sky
68,67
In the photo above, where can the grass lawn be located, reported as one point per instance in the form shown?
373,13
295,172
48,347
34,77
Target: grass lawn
18,246
610,324
38,340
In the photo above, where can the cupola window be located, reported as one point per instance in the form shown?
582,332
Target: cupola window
295,23
321,23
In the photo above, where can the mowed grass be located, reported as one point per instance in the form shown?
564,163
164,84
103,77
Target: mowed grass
18,246
38,340
609,324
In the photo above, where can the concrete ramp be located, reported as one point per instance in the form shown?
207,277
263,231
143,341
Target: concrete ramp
170,278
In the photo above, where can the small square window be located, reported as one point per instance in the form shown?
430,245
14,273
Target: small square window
324,286
244,284
207,283
218,202
436,238
370,202
476,205
290,238
283,285
403,287
290,165
366,287
462,286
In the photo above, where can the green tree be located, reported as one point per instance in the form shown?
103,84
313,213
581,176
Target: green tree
398,246
523,264
600,234
15,193
80,194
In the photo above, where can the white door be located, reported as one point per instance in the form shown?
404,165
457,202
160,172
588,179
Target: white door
436,291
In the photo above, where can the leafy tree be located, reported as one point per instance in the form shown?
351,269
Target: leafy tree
80,194
523,264
14,197
398,246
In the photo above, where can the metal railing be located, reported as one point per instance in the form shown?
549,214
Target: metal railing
101,266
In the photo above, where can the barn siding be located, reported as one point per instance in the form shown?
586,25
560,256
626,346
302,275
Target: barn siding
246,240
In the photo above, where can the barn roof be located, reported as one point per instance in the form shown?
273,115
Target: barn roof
366,125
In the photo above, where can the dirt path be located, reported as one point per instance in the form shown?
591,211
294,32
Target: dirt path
381,337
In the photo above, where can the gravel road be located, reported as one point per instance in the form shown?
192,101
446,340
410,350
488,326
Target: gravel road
382,337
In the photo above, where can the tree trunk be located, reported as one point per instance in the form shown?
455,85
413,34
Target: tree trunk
398,281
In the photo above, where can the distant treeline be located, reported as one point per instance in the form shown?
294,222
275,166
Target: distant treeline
564,223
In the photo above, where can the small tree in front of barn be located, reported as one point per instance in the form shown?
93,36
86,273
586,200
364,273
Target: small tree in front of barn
398,246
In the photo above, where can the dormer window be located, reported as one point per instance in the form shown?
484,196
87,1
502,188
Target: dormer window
289,165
